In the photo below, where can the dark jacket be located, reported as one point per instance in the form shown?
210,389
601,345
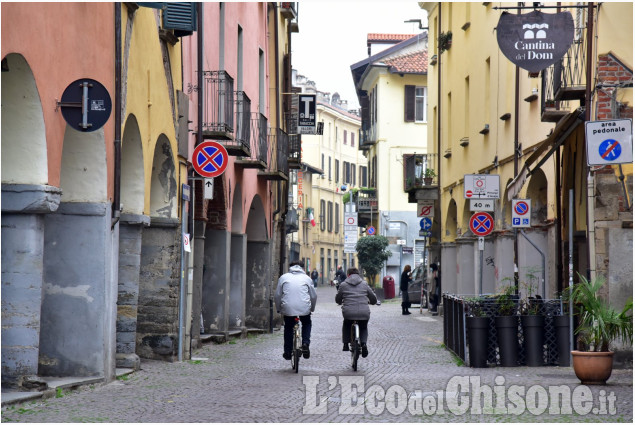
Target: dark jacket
354,295
340,275
405,281
314,275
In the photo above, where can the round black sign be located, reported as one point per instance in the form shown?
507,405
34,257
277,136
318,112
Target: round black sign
535,40
86,105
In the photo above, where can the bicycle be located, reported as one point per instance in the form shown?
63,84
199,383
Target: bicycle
356,345
297,346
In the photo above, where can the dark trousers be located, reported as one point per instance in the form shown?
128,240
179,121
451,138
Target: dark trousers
363,330
289,323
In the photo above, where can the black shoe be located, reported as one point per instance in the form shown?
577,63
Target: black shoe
346,347
305,351
407,312
287,356
364,350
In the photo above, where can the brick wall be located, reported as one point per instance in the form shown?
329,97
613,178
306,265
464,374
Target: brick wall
612,72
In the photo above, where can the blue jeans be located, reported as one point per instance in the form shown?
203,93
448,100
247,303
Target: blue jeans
289,323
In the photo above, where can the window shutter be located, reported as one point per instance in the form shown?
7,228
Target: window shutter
409,104
180,17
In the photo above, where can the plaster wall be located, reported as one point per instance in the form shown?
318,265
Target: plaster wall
216,280
449,282
76,308
55,66
237,281
258,284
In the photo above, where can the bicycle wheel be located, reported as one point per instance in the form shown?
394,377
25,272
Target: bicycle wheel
295,360
355,347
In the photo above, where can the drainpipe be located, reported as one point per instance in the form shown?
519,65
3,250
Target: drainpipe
116,202
591,261
516,131
439,171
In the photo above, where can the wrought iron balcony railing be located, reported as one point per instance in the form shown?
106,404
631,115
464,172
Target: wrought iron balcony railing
218,107
417,166
258,131
295,140
367,136
565,81
240,146
277,155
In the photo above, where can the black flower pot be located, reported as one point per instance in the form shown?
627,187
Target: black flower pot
507,335
477,336
561,324
534,336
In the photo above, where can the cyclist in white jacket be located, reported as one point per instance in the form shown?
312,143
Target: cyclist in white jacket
295,296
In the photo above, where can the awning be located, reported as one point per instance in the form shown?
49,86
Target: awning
560,133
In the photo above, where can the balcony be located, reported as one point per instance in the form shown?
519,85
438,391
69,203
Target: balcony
218,105
257,157
565,81
416,184
295,141
289,10
277,156
367,136
367,205
240,146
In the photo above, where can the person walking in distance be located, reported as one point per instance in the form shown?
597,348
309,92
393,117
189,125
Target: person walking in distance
434,289
314,277
354,295
406,277
340,276
296,297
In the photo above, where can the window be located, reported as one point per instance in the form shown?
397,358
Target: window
420,104
347,172
330,216
322,162
322,215
353,179
352,139
415,103
345,136
337,219
337,171
363,176
329,168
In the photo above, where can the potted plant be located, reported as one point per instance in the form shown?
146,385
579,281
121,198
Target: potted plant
600,324
561,326
533,322
477,325
428,176
507,326
550,103
445,41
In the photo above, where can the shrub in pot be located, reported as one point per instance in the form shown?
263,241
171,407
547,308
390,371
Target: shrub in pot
600,325
477,325
507,326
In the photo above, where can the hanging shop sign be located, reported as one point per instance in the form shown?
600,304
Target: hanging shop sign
535,40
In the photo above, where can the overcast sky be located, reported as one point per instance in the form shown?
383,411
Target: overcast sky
332,37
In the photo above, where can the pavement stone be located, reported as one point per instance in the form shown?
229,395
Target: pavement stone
247,380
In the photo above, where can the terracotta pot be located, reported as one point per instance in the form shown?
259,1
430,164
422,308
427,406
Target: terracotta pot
592,368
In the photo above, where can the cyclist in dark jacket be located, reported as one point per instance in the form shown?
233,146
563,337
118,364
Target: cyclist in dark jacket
354,295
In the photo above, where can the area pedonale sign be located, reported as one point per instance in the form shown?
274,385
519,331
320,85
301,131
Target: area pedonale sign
535,40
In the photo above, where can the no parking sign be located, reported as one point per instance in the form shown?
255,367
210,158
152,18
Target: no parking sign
521,212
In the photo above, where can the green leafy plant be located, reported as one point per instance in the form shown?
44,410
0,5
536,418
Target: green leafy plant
531,304
445,41
430,173
372,254
600,323
506,300
475,307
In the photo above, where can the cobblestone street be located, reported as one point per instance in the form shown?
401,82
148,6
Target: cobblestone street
247,380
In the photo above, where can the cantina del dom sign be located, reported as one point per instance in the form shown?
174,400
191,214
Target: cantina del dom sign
535,40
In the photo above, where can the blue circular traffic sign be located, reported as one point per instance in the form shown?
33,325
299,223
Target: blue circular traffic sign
481,224
521,208
610,150
210,159
425,223
370,230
